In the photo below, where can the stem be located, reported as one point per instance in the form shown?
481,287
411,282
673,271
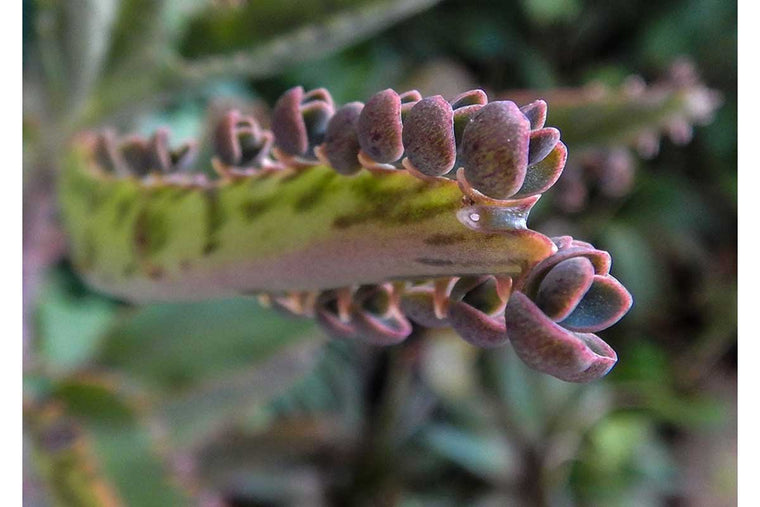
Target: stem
376,481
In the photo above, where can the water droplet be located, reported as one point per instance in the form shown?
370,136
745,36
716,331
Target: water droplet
494,218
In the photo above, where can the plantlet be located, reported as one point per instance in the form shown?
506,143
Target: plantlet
366,217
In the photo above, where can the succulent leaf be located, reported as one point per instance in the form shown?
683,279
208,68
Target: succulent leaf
564,286
536,113
604,304
542,142
545,346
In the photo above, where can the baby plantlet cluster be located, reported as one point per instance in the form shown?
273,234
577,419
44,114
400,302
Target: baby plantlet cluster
368,218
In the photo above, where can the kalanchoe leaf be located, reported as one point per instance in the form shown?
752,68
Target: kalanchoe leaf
462,117
469,98
373,316
568,248
545,346
136,154
239,141
183,157
428,136
605,302
326,315
536,113
158,151
542,142
480,293
107,154
386,331
341,145
495,149
418,304
376,317
162,158
474,311
380,127
541,176
408,100
299,120
465,105
564,286
476,327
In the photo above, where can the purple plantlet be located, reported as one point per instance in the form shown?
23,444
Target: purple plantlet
107,154
299,121
135,153
372,315
563,287
428,136
380,126
469,98
536,113
567,296
341,146
418,302
545,346
240,142
474,311
542,175
495,149
141,157
542,142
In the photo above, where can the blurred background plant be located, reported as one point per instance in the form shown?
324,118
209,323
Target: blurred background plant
225,403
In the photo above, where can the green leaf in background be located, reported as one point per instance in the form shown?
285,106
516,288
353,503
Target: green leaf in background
544,12
206,363
175,346
303,34
70,323
94,448
624,464
485,455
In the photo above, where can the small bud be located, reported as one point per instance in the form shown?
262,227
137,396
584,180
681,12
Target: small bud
536,113
474,311
240,142
495,149
428,136
469,98
564,286
376,317
341,145
380,127
465,105
418,303
107,155
547,347
542,142
540,176
566,297
299,120
160,157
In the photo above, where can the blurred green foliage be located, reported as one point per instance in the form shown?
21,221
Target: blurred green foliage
176,404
